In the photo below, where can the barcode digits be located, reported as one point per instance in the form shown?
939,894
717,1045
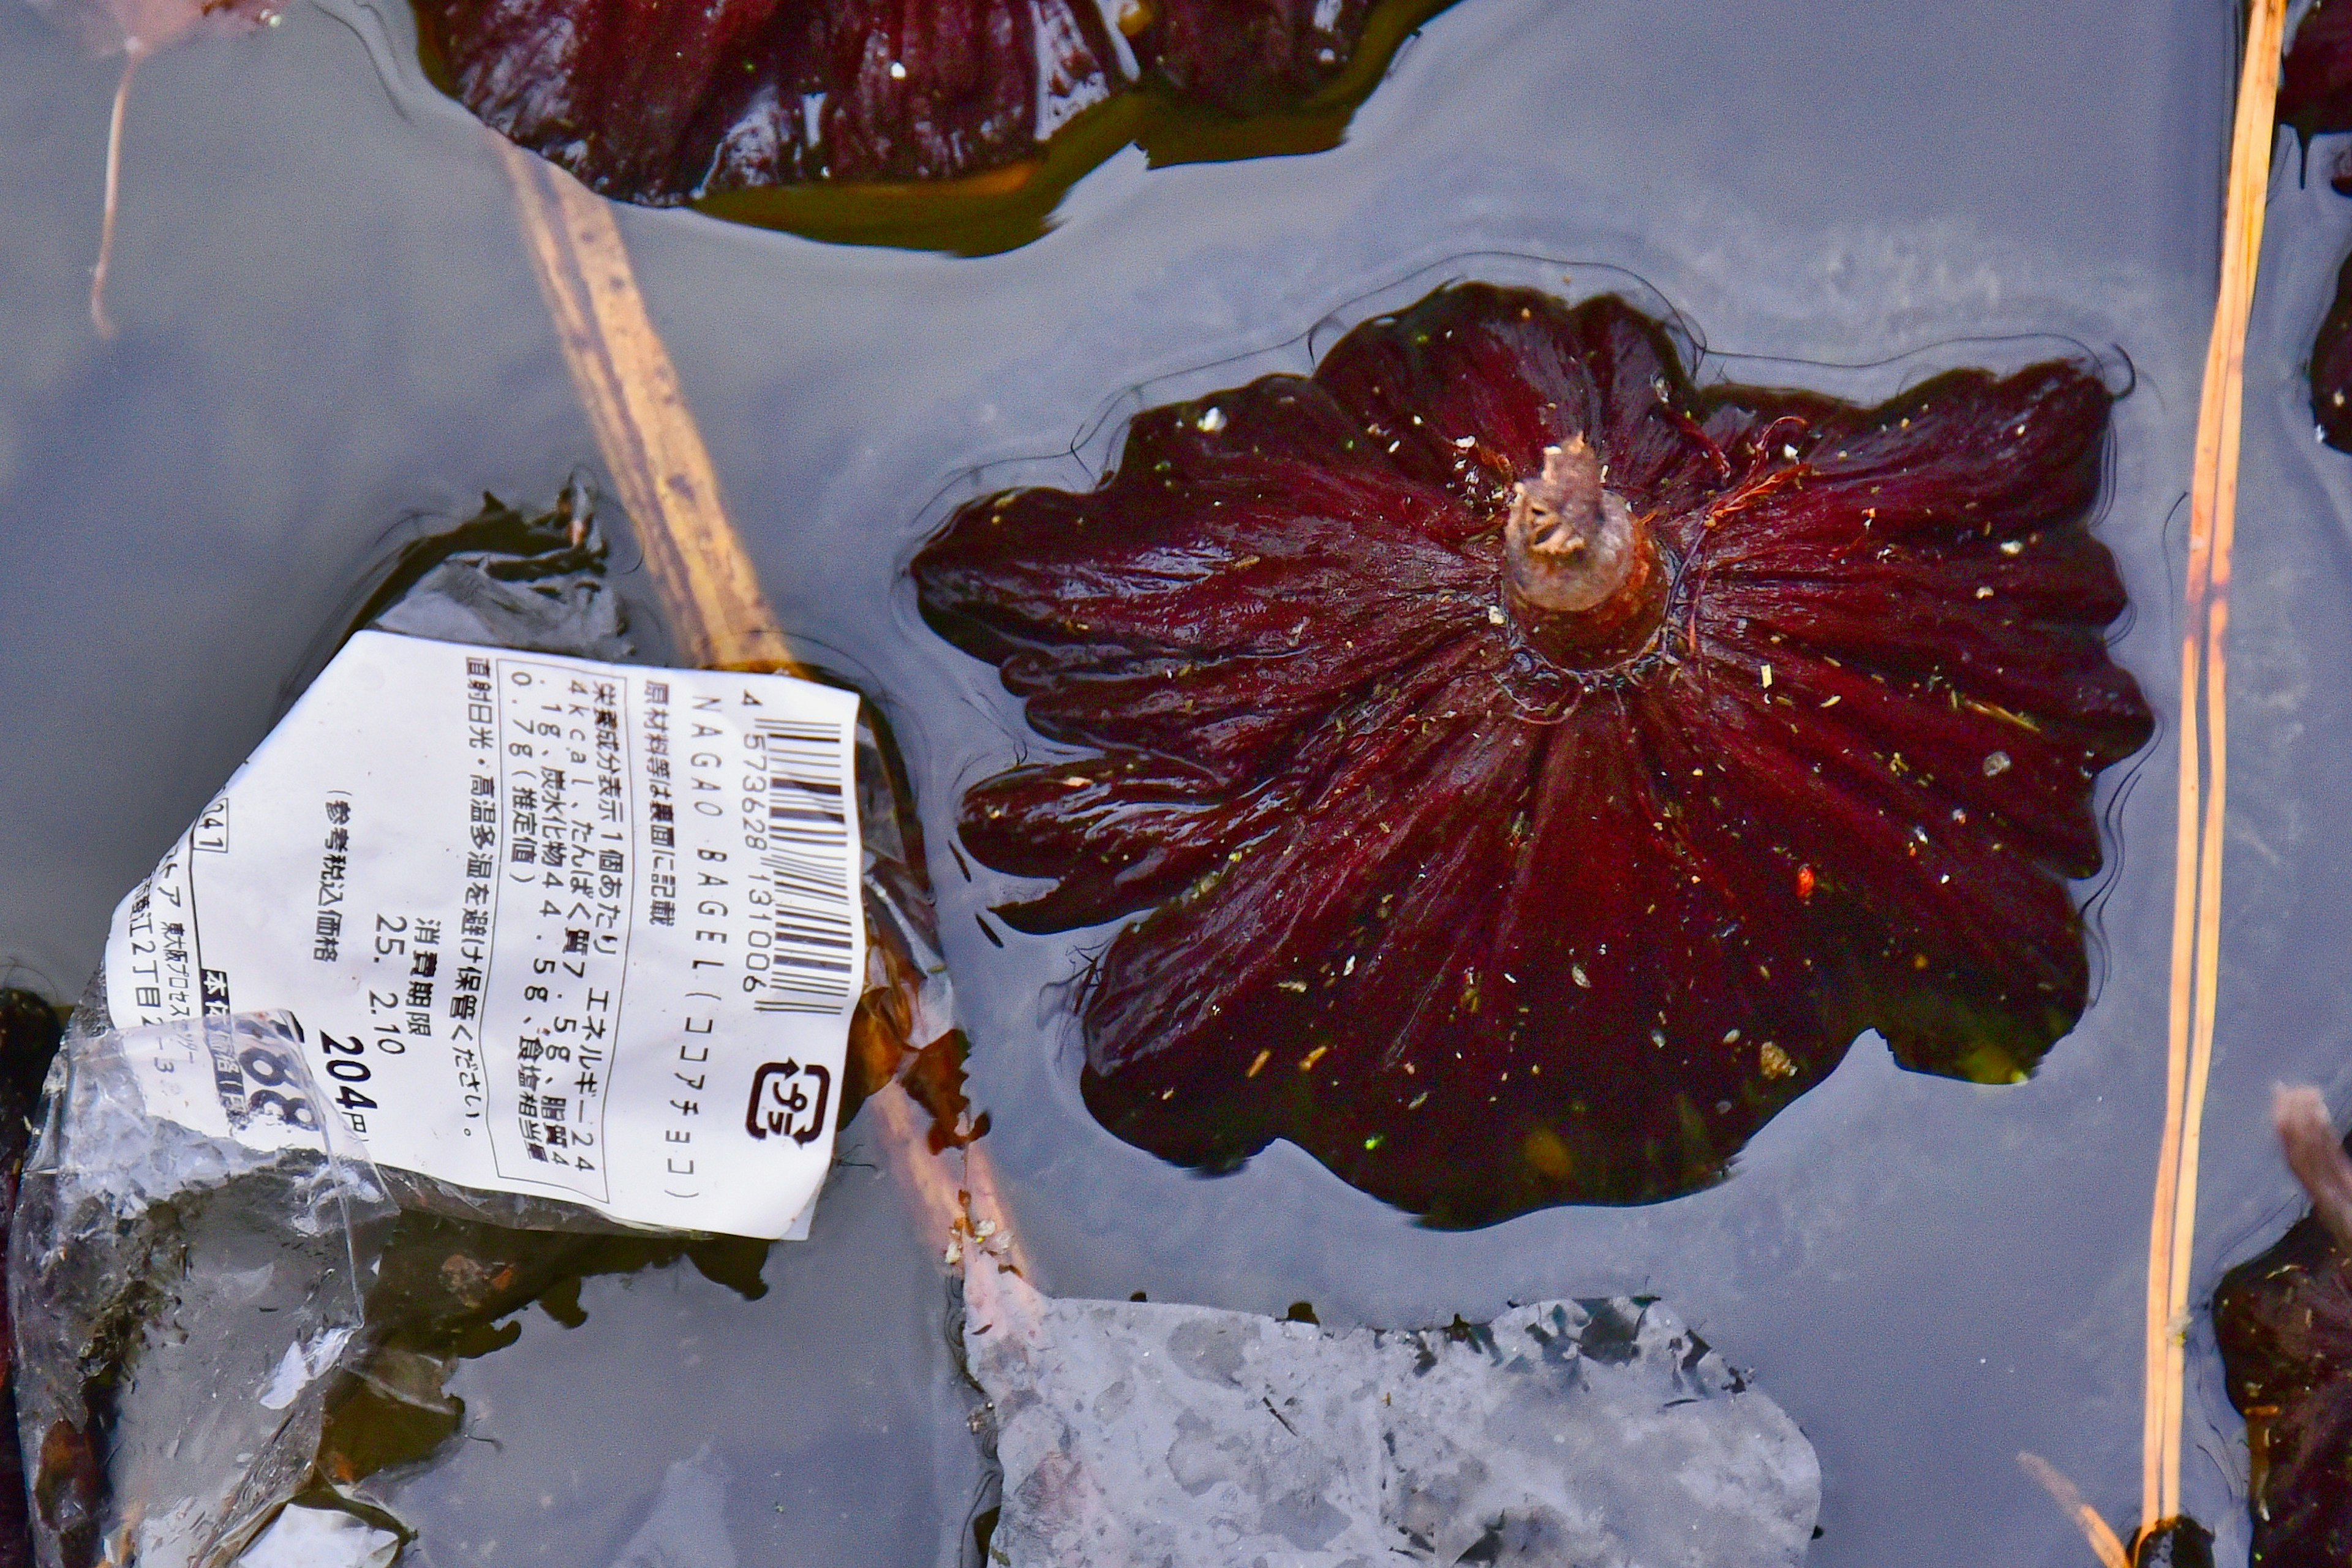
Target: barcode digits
809,868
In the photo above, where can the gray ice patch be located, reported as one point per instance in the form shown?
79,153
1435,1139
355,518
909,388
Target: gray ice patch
1594,1433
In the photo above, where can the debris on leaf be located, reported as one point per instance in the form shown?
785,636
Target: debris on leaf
1425,723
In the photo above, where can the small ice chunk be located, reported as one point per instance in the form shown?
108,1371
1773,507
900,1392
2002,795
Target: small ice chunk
303,1537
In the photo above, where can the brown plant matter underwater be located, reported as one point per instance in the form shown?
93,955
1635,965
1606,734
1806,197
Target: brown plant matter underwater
2284,1323
1492,888
661,103
2316,78
29,1031
2331,366
136,29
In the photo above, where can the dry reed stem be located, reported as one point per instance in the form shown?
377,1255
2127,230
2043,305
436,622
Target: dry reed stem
709,592
2103,1541
2204,767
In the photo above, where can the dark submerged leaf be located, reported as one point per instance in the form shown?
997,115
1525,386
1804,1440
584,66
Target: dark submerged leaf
665,104
2315,80
2331,365
2284,1323
2316,98
1482,931
2174,1543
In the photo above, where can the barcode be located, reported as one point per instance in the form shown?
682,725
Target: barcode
809,868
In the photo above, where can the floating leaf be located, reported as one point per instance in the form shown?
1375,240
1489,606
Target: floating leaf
1535,770
921,124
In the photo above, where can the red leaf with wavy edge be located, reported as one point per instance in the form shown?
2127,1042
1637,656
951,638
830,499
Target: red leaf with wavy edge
1484,925
659,103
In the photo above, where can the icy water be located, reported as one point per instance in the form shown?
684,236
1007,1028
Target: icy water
331,337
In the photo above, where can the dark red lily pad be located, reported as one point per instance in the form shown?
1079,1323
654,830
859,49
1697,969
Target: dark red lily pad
1489,907
2284,1323
666,104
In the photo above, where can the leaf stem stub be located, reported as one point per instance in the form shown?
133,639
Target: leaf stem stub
1581,573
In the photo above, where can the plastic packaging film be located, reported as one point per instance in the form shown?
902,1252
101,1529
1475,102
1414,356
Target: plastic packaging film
204,1214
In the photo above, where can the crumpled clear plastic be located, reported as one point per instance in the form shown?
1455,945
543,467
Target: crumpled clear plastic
189,1309
180,1300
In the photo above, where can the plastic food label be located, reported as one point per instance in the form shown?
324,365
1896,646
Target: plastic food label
579,931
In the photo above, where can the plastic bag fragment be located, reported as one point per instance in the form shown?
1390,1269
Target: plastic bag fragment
181,1298
1596,1432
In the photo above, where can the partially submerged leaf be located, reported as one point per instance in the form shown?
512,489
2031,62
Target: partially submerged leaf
2284,1323
1514,826
665,104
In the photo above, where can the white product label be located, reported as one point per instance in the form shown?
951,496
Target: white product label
583,931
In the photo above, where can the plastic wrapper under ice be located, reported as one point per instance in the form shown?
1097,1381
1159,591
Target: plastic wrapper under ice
388,972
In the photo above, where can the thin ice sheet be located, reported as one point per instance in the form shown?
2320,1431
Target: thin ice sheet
1601,1432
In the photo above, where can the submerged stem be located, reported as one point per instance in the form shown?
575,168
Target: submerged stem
2317,1158
99,319
1581,572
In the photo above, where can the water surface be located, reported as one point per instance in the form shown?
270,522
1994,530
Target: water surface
329,331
